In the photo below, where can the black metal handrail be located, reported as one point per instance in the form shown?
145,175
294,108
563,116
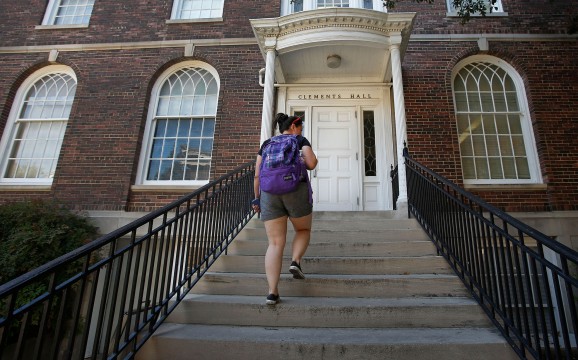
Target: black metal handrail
125,283
393,173
524,280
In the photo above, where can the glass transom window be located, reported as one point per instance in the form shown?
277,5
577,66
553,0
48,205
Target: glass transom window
184,127
39,128
293,6
68,12
492,131
198,9
332,3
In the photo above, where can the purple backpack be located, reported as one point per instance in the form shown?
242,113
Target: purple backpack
281,168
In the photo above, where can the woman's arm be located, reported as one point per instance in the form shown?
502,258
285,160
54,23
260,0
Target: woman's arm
256,185
309,157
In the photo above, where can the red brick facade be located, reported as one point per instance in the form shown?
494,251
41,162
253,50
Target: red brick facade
102,145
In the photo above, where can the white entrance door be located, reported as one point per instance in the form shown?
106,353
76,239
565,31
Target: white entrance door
335,142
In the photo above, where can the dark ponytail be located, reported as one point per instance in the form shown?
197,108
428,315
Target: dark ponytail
284,121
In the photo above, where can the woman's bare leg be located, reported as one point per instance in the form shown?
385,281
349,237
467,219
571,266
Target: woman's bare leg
302,228
277,235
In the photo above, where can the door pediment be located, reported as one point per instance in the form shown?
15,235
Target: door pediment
359,38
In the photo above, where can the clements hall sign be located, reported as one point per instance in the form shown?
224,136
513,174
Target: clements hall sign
333,96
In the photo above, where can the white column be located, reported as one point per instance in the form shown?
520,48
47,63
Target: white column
400,122
269,91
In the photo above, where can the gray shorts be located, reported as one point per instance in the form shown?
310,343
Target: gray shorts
294,204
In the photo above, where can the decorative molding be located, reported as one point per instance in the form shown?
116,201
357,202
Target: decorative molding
127,45
53,55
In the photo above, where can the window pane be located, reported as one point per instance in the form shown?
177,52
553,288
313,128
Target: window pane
165,170
209,128
518,145
523,168
509,168
496,168
489,125
482,168
369,144
474,101
154,168
479,145
204,169
461,102
505,146
206,148
515,125
467,147
297,6
487,102
500,101
492,145
468,168
463,124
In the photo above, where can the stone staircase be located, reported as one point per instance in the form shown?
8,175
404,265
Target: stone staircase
374,289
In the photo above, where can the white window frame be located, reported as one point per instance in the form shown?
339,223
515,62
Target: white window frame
52,11
150,127
287,6
14,118
498,11
178,8
525,122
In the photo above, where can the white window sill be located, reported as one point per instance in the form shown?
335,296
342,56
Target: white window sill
160,188
510,187
25,187
58,27
188,21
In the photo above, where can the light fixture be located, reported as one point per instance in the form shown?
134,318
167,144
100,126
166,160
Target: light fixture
333,61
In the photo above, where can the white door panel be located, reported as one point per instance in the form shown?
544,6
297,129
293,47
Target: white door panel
335,142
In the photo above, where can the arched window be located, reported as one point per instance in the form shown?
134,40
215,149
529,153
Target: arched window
494,131
35,129
181,127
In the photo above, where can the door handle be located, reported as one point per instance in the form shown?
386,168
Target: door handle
315,173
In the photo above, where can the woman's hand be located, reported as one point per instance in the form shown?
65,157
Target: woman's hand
256,204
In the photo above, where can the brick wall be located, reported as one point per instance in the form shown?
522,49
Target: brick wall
551,81
128,21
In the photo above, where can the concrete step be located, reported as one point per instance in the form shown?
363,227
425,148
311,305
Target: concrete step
337,224
324,248
335,265
186,341
323,312
385,286
345,235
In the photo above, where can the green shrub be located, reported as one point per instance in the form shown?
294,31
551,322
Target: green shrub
34,232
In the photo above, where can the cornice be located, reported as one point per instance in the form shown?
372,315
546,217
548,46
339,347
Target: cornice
322,19
128,45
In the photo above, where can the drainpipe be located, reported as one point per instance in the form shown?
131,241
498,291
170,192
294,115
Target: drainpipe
269,90
400,121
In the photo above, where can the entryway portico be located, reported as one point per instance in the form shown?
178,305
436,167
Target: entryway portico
341,69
